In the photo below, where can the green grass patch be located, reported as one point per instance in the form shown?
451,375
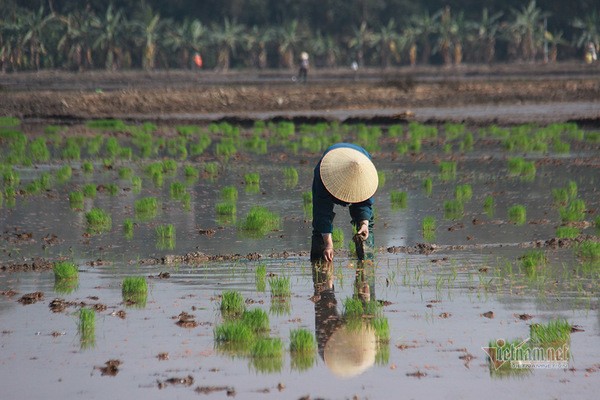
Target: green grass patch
98,220
9,122
517,214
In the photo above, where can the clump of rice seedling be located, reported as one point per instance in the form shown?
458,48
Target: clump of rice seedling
136,184
112,189
280,286
588,250
398,199
166,231
226,209
128,228
98,220
187,130
428,186
260,277
463,193
10,177
428,226
533,260
267,347
402,148
199,147
146,208
191,171
64,173
447,170
555,333
87,167
560,147
87,327
76,200
226,148
290,176
381,327
38,150
353,308
302,341
517,214
107,124
234,335
575,211
381,178
89,190
337,236
567,232
211,169
125,173
260,221
232,303
517,166
489,206
256,144
453,209
112,147
499,362
252,178
169,166
134,290
229,193
257,320
71,150
177,190
64,270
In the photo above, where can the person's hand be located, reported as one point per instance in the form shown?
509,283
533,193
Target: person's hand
328,250
363,230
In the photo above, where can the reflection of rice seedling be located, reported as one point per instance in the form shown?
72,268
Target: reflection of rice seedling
381,327
38,185
453,209
64,270
186,201
165,231
267,347
427,186
87,167
290,176
232,303
226,209
76,200
135,290
337,236
252,178
553,334
398,199
98,220
146,208
260,220
588,250
567,232
428,225
257,320
533,260
260,276
573,212
302,341
87,328
280,286
89,190
307,198
229,193
125,173
447,170
489,205
517,214
128,228
463,193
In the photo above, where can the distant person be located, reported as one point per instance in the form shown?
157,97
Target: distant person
354,67
590,55
345,175
198,60
303,72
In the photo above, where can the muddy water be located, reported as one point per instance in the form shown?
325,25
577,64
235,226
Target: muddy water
434,303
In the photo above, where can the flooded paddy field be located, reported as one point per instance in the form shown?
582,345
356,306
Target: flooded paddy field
484,235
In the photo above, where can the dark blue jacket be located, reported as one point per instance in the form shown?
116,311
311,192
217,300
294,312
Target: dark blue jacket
323,201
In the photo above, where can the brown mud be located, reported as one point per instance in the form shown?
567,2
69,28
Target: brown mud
238,96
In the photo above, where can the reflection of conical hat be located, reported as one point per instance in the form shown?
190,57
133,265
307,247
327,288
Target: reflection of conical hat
350,350
349,175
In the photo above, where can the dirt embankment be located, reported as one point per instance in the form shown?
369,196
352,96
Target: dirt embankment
62,95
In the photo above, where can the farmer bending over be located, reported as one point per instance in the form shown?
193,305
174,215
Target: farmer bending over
345,175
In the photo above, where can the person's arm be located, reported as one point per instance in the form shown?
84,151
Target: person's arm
323,214
361,214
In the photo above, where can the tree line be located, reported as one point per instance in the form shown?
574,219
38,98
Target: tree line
262,34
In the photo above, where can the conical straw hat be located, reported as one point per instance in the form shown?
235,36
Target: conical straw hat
350,351
349,175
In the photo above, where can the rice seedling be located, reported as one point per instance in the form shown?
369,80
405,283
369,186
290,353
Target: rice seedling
187,130
11,177
280,286
290,177
229,193
597,223
232,303
112,147
199,147
146,208
560,147
256,145
234,335
165,231
64,174
427,186
467,142
489,206
134,290
107,125
337,236
38,185
9,122
76,200
398,199
302,341
532,261
136,184
517,214
588,250
575,211
353,307
111,188
260,277
381,327
71,150
226,148
463,193
428,225
38,150
98,220
260,220
381,178
87,167
257,320
128,228
453,131
89,190
567,232
402,148
125,173
191,171
226,208
87,328
186,201
211,169
177,190
447,170
555,333
94,145
65,270
453,209
252,178
267,347
501,353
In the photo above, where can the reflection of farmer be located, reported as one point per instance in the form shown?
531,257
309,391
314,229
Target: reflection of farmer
303,72
348,349
590,53
198,60
345,175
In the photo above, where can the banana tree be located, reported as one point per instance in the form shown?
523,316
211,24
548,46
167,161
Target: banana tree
288,38
35,24
385,40
360,41
110,32
226,38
